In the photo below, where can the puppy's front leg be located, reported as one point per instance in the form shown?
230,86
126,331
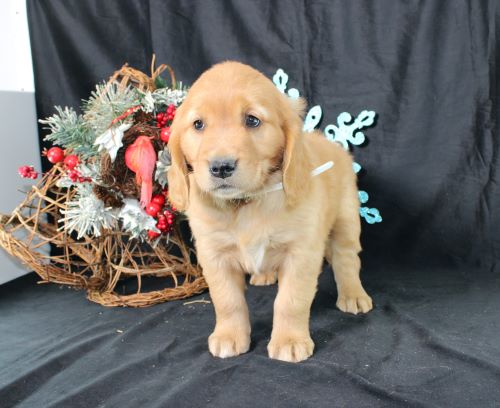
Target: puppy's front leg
343,255
297,282
231,335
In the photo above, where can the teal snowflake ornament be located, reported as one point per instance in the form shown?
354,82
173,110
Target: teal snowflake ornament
371,215
346,132
280,79
313,118
356,167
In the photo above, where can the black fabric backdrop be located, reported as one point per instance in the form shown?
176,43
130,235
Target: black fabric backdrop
429,69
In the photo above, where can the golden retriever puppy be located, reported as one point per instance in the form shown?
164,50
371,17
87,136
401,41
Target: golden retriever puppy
241,170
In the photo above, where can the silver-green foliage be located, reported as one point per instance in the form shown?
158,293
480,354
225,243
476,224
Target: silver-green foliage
106,102
69,130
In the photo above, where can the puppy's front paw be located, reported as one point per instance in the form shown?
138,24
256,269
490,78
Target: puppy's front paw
355,302
291,349
263,279
226,344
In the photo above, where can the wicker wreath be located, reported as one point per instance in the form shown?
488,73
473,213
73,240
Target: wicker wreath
32,233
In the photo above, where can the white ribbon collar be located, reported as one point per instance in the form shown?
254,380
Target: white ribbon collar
279,186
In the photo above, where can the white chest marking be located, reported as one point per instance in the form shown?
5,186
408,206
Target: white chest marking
253,256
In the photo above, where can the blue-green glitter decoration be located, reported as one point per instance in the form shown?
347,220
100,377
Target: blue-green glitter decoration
346,132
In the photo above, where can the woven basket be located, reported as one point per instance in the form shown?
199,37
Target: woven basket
32,234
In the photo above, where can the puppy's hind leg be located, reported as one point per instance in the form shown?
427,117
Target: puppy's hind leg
342,254
264,278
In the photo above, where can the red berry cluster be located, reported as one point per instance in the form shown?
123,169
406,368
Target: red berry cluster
27,172
165,134
158,209
71,161
163,119
75,176
57,155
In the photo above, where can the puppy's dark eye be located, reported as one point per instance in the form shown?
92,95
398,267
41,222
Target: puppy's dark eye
198,124
251,121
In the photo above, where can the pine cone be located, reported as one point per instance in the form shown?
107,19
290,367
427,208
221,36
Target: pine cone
107,196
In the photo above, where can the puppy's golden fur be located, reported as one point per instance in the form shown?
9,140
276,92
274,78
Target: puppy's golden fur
239,228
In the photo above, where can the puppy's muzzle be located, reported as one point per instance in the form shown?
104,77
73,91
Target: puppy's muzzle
222,167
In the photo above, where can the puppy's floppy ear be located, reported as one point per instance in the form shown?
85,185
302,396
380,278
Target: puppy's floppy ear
296,171
298,105
178,181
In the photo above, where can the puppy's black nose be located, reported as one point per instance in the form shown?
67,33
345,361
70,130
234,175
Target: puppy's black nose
222,167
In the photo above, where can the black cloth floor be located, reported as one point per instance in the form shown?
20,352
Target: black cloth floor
431,165
431,341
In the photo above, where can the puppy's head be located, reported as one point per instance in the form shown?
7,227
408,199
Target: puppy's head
233,131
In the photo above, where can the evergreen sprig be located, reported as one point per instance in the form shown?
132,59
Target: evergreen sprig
106,102
162,97
86,214
68,129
